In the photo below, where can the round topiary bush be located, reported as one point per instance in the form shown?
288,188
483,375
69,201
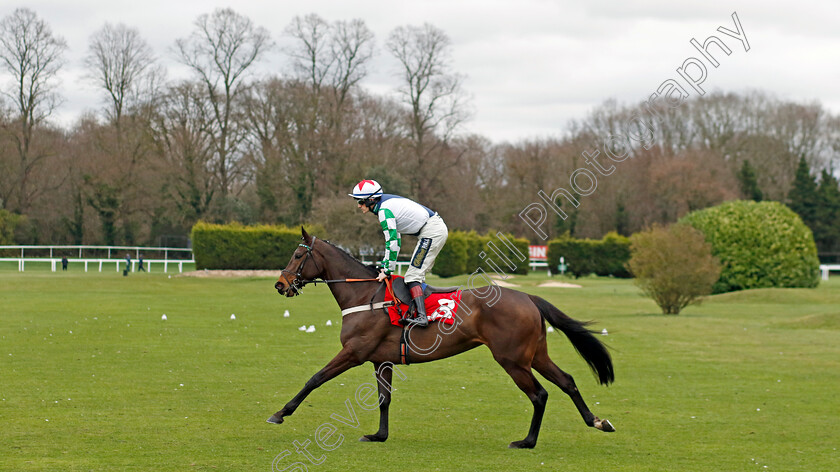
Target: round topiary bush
759,245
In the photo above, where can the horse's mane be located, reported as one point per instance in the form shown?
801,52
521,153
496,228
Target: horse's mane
371,268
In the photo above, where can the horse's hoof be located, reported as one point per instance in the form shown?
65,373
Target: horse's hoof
274,420
605,426
521,445
372,438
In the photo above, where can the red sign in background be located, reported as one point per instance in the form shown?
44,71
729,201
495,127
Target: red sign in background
538,253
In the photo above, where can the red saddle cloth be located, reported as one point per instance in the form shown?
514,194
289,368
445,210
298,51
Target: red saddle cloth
439,307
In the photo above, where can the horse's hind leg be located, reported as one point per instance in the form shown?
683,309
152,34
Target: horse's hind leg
384,374
548,369
526,381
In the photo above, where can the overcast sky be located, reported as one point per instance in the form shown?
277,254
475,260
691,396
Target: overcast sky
530,65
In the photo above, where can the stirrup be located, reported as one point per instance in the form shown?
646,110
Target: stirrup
420,321
420,318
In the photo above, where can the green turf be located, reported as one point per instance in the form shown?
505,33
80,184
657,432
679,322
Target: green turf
91,378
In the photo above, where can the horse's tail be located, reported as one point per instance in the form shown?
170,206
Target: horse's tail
588,346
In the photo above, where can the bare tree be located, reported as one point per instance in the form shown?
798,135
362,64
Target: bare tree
279,135
182,133
122,65
220,52
333,55
433,94
121,62
310,52
352,46
32,55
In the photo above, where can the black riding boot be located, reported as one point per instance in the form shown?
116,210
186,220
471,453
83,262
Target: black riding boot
419,304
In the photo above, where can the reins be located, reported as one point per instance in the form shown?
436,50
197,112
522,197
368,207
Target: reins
317,281
299,282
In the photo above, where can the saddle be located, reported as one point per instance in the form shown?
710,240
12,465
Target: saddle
441,302
402,293
441,305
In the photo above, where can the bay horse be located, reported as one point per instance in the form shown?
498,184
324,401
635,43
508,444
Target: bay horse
509,322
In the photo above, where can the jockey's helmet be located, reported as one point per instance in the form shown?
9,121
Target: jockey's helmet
366,190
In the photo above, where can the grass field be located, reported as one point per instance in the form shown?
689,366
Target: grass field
91,378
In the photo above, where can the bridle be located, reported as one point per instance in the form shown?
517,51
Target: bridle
300,282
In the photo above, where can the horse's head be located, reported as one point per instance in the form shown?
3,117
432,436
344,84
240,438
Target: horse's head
301,269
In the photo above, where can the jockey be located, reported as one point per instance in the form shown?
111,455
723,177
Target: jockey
399,215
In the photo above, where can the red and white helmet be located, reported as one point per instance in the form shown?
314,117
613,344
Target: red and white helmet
366,189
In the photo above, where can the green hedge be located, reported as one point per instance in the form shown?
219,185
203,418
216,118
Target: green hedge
476,243
234,246
607,256
759,244
491,242
461,254
452,259
614,254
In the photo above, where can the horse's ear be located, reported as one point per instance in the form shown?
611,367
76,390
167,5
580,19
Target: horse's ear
306,237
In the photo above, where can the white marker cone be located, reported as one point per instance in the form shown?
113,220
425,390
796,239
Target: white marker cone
163,317
329,322
604,332
232,316
311,329
286,314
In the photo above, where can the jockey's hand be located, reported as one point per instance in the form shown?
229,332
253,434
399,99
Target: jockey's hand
382,276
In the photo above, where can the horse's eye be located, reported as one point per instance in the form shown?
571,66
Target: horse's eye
298,256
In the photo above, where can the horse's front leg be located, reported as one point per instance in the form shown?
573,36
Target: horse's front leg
340,363
384,374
